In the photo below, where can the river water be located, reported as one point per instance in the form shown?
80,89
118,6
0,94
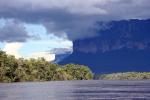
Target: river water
76,90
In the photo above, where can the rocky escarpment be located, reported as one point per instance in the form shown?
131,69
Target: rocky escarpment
123,46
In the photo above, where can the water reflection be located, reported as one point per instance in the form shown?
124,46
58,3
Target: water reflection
76,90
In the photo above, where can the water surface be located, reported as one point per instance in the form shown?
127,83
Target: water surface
76,90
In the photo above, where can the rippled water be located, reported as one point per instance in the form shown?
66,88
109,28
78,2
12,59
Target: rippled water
76,90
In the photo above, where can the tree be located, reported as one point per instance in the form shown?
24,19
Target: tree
21,70
78,72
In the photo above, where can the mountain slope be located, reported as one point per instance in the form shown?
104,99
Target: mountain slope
123,46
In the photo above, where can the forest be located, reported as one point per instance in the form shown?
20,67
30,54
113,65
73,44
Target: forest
23,70
32,70
124,76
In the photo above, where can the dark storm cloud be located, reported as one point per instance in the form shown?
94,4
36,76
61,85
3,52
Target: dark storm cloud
13,31
76,18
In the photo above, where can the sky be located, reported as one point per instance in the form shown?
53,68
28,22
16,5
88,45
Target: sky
34,27
39,46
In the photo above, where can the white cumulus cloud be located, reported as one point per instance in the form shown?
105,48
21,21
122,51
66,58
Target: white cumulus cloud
46,55
13,49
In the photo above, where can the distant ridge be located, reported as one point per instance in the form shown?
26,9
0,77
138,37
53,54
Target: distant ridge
123,46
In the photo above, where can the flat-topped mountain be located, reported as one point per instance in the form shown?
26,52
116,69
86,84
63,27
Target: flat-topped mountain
122,46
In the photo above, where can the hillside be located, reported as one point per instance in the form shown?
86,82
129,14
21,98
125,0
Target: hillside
123,46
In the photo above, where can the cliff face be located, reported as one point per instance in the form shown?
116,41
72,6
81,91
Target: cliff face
123,46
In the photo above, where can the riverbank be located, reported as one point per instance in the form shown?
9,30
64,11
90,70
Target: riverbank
23,70
124,76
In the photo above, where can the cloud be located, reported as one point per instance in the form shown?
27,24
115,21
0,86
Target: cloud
13,31
13,49
76,18
46,55
59,51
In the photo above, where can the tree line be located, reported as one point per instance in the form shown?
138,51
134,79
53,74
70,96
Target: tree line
124,76
23,70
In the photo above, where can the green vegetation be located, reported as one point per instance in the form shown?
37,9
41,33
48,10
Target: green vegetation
21,70
125,76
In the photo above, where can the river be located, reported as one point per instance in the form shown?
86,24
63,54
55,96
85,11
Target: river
76,90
